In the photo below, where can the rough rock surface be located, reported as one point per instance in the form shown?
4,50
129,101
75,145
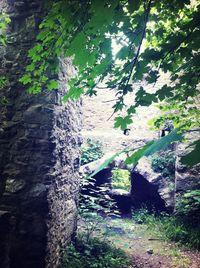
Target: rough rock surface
39,151
162,184
187,178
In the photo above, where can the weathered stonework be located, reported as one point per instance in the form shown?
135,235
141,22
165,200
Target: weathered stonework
156,179
187,178
39,152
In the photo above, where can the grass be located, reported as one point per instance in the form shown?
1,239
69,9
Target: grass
113,242
93,253
170,228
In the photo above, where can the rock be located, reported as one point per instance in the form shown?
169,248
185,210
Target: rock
89,168
156,179
187,178
39,149
14,186
150,251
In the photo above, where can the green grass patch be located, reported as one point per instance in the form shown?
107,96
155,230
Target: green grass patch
93,253
170,228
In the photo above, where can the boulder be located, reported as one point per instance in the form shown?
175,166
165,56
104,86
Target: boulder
187,178
163,186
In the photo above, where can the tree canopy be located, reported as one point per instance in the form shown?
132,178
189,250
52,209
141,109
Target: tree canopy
153,37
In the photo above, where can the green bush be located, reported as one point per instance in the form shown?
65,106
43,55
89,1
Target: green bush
121,179
188,208
93,253
91,152
170,227
143,216
164,164
96,198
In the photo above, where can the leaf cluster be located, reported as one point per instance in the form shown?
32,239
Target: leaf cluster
4,21
91,151
154,37
188,208
165,164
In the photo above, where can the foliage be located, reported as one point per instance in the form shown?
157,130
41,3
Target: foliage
164,164
153,37
121,179
141,215
94,202
3,82
188,208
170,227
93,253
95,198
147,150
91,152
193,157
4,21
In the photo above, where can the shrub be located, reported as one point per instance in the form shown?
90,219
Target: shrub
96,198
93,253
165,164
188,208
171,228
91,152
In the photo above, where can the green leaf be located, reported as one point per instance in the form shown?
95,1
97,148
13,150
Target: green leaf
162,143
135,157
131,110
154,146
123,122
53,84
165,91
144,98
192,158
26,79
107,162
74,93
133,5
123,53
152,77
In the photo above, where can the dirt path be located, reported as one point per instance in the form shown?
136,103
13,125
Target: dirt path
146,249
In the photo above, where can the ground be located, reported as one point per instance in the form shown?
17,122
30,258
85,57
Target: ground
145,247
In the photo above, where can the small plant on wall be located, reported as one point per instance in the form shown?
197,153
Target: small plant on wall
165,164
91,151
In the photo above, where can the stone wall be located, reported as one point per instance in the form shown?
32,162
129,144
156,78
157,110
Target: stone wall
39,152
187,178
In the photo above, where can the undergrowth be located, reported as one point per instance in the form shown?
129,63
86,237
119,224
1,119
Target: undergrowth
165,164
91,151
93,253
170,228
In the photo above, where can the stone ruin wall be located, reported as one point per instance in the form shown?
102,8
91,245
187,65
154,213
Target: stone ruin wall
39,154
98,127
187,178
